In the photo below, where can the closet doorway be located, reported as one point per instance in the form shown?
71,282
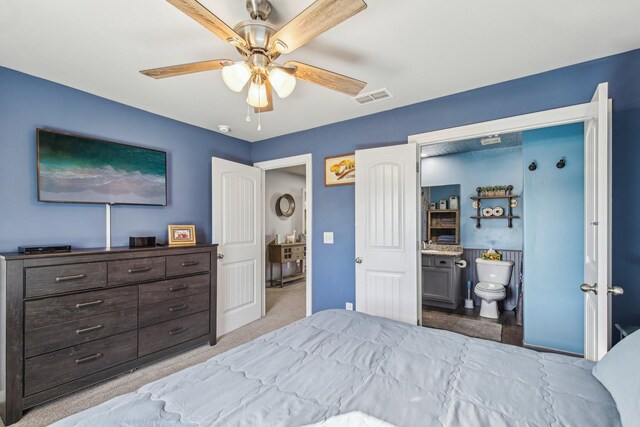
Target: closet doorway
287,235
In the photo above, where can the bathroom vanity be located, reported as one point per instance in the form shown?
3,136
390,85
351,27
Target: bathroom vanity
441,278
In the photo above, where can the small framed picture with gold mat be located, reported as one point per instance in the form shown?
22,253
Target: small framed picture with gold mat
340,170
182,235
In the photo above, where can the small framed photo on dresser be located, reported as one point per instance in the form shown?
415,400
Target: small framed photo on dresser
182,235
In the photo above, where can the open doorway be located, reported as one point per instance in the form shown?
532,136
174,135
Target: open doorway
504,215
472,213
287,235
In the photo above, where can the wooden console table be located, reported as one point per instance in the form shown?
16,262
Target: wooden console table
285,253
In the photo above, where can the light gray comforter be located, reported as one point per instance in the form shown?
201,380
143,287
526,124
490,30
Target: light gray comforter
340,361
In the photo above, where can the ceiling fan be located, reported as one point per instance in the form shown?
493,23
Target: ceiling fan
260,44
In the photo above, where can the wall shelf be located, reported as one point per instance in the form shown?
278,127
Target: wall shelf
435,228
508,196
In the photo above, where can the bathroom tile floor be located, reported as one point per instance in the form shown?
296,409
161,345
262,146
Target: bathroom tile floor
511,332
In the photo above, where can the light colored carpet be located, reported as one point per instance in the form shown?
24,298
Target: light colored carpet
463,325
284,306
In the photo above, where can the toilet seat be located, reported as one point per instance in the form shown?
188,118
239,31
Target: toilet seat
490,287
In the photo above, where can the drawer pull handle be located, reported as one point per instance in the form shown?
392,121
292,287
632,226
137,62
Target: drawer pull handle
88,358
88,304
178,288
138,270
443,262
68,278
177,331
178,308
89,329
189,263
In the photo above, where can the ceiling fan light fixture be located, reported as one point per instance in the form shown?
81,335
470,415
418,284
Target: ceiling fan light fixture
236,76
283,83
257,96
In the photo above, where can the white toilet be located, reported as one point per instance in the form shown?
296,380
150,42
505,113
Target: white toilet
493,276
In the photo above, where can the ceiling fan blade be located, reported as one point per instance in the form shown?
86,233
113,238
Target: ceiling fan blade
178,70
321,16
328,79
269,106
204,17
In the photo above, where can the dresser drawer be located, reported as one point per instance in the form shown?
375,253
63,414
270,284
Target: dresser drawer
64,278
179,265
443,262
54,310
167,334
151,293
52,369
172,309
50,338
136,270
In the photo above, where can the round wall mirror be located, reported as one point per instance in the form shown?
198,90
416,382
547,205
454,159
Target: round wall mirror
285,206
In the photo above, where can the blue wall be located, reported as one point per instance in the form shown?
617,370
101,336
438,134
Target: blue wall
500,166
554,238
334,270
27,102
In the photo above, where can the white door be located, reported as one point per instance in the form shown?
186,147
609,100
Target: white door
387,232
237,206
597,259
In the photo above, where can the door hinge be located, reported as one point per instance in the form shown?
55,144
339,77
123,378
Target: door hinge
417,167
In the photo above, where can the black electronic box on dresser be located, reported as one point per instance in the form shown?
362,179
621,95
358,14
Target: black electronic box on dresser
70,320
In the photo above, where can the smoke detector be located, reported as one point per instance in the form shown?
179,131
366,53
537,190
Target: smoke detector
224,128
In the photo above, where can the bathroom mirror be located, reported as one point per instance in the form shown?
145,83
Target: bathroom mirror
285,205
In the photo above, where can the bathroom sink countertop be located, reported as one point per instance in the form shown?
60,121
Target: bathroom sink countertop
443,250
441,253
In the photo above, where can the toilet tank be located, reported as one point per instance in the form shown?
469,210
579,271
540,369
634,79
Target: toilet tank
494,271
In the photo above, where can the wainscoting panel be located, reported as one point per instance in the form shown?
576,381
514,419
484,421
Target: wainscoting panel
470,273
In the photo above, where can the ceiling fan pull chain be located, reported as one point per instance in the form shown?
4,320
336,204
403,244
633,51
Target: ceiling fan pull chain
248,118
259,112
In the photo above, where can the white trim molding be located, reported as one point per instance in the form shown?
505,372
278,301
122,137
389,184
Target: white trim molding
306,160
541,119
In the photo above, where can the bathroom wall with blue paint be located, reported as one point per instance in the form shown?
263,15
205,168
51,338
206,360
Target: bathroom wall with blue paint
554,238
334,271
500,166
442,192
27,103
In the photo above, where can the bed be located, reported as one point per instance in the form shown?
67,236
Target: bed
339,361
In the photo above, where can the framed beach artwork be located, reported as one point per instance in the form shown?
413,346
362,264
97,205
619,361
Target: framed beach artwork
182,235
79,169
340,170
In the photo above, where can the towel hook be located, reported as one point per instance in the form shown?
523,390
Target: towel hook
533,166
561,163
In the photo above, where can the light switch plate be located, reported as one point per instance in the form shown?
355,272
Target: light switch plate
328,237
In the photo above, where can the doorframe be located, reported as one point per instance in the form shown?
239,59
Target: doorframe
578,113
304,160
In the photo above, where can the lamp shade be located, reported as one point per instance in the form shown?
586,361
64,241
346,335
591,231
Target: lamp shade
257,94
236,76
283,83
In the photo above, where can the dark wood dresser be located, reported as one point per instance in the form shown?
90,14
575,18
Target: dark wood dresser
70,320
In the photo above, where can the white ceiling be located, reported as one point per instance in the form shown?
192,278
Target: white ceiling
419,49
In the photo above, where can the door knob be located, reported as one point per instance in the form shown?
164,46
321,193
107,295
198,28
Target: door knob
358,260
615,291
220,256
589,288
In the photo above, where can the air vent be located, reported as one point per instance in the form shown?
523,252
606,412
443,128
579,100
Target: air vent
376,95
